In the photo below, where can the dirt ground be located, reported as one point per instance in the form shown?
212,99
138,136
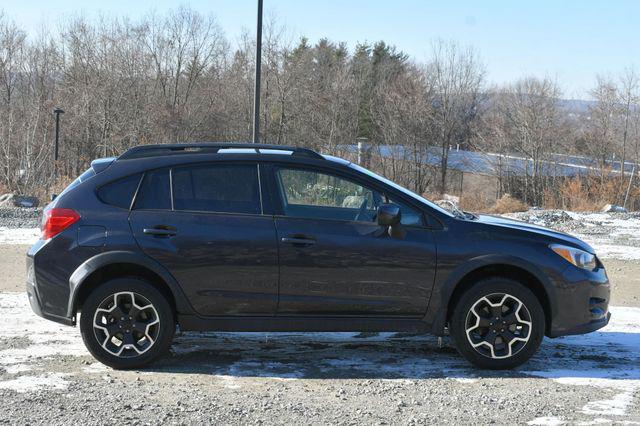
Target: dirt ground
47,377
13,267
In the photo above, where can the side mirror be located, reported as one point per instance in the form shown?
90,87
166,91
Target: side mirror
53,196
389,215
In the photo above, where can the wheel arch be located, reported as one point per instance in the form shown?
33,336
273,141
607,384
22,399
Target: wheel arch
506,267
120,264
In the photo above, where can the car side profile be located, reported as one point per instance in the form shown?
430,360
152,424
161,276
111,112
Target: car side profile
249,237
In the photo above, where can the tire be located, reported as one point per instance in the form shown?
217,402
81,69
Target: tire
503,344
143,333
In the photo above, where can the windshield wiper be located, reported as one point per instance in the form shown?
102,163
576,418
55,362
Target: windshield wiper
459,213
455,210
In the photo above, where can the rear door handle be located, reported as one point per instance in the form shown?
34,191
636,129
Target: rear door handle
296,241
161,231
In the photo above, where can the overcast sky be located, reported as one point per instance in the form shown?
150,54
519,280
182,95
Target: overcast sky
570,41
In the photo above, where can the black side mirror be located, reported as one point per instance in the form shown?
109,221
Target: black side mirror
389,214
53,196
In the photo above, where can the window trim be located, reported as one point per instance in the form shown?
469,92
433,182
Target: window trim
280,207
171,189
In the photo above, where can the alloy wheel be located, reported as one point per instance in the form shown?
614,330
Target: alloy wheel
126,324
498,325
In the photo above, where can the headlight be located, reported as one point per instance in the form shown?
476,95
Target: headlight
577,257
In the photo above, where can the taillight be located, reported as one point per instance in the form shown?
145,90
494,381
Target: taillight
57,220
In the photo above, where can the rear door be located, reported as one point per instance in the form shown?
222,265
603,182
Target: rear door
204,223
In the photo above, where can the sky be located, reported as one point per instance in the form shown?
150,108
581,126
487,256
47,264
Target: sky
570,41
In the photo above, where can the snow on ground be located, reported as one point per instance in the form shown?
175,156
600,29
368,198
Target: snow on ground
612,235
26,236
608,359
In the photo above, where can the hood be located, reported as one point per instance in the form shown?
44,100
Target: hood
540,231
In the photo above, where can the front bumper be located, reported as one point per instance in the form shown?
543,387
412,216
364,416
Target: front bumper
582,302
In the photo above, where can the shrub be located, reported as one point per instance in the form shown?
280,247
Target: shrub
508,204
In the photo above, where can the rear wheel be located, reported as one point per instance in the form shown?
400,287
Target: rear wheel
127,323
498,324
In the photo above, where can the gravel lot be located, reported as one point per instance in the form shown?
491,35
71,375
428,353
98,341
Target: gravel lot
47,377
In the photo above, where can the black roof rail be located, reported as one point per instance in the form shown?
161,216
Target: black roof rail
143,151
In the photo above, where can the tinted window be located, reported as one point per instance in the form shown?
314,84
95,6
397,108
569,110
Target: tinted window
154,192
312,194
120,192
226,188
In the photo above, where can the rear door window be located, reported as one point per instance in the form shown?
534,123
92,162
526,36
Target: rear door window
120,193
222,188
155,192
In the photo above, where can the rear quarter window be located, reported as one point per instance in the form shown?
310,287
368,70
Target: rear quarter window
120,192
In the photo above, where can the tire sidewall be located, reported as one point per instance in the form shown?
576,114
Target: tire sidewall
484,288
160,303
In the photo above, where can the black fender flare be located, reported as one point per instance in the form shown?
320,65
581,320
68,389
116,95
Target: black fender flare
82,272
458,274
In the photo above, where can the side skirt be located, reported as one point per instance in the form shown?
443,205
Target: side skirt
309,324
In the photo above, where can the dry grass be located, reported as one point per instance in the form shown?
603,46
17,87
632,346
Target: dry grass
475,202
508,204
588,194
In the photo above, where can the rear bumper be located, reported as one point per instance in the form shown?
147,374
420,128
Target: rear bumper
583,302
35,300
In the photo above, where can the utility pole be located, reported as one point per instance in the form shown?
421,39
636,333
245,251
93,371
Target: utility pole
256,93
57,112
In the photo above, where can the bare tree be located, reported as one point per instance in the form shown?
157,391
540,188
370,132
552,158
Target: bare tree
456,76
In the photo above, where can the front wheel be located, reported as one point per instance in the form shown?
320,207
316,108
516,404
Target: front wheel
498,324
127,323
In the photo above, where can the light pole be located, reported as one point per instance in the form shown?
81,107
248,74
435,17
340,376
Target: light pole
256,93
57,112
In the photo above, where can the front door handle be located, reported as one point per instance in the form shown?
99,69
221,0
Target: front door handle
161,231
297,241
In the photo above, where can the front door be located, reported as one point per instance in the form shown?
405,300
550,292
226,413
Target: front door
336,260
211,236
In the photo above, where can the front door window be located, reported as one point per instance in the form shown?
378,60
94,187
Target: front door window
317,195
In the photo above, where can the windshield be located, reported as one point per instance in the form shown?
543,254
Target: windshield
402,189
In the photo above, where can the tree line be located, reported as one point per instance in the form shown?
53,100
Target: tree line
176,77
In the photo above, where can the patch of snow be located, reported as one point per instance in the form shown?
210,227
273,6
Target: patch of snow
47,338
616,406
547,421
465,380
229,382
610,360
95,368
47,381
27,236
16,368
596,421
609,251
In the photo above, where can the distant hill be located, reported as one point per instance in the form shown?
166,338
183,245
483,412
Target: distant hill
576,106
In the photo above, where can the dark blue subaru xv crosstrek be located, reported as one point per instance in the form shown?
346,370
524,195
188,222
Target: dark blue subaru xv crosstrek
245,237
